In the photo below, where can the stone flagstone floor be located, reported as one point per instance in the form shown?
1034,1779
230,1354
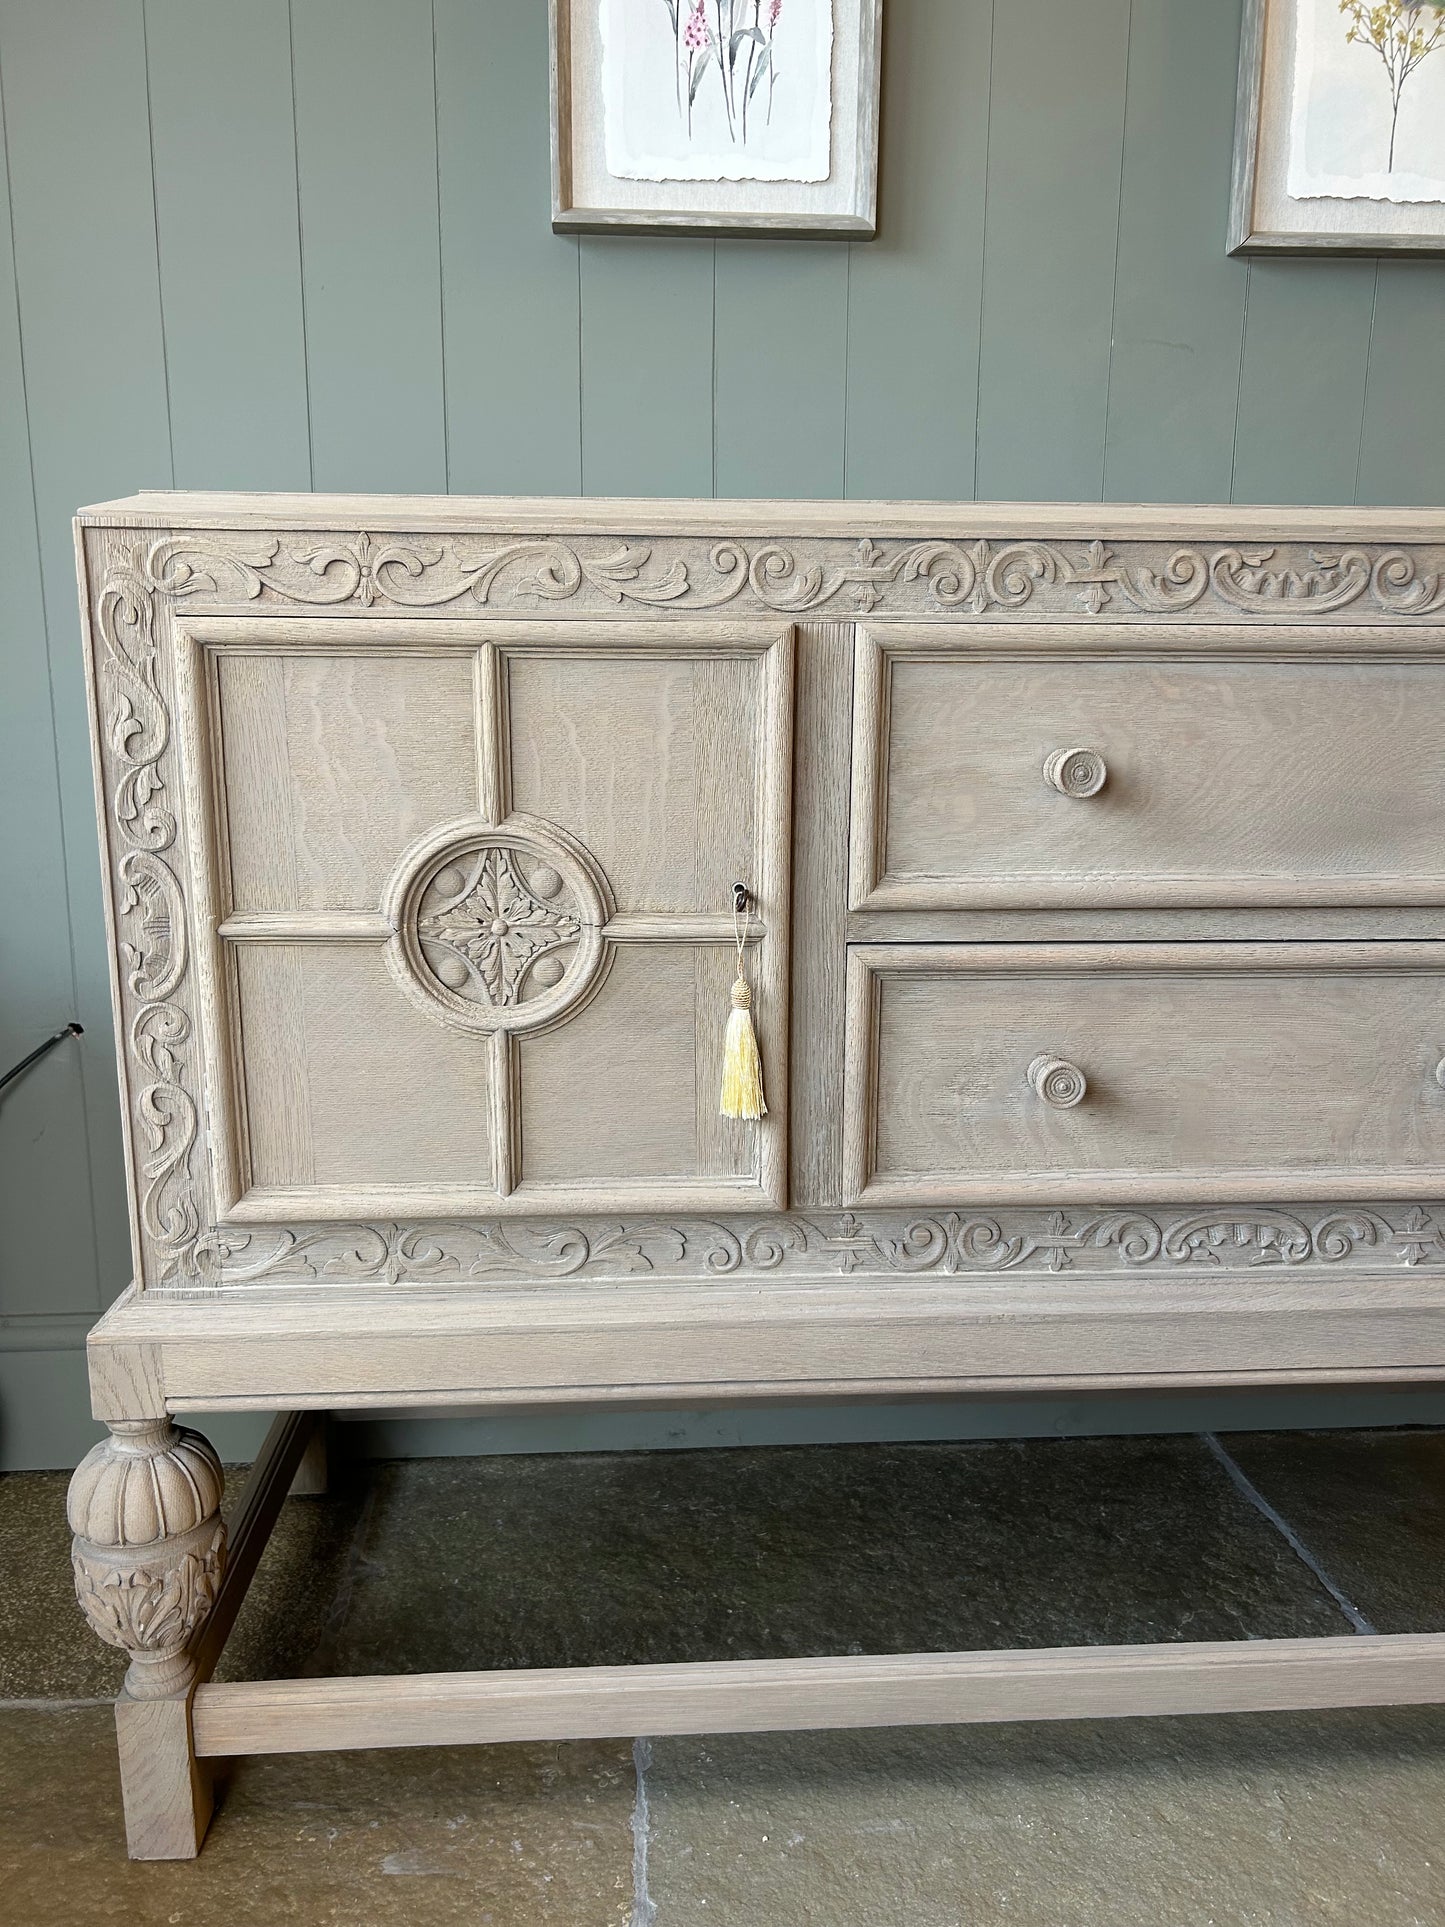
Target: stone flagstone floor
1302,1820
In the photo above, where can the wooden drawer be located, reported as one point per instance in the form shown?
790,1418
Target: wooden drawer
1238,768
1211,1071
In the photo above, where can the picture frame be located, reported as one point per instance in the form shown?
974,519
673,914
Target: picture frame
713,117
1339,132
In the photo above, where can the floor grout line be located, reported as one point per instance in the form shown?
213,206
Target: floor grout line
53,1706
1243,1484
644,1907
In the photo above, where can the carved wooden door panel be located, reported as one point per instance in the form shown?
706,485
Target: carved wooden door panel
471,892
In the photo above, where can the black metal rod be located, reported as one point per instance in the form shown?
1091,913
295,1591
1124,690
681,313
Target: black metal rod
71,1030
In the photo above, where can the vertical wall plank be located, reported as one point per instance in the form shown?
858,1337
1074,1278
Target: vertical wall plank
781,368
1179,299
47,1231
1402,450
224,146
1055,148
1302,388
85,259
647,366
914,293
370,248
509,285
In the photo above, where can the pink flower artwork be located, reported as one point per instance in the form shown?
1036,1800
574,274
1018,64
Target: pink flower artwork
736,46
718,89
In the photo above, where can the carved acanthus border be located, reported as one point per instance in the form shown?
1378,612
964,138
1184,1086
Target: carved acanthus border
832,1245
149,909
804,576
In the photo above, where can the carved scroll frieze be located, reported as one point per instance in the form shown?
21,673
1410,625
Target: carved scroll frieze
409,571
828,1246
838,575
149,908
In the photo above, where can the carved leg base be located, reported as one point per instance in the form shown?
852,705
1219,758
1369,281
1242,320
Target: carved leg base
149,1552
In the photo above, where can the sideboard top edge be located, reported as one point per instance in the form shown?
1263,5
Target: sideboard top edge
560,514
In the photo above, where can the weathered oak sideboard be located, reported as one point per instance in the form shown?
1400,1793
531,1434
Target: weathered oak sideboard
1085,867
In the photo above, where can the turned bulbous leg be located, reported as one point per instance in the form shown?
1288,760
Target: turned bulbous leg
149,1548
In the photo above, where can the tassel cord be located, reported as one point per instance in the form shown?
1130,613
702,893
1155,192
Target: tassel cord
742,1081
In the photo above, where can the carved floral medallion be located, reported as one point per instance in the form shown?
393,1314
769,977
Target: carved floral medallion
498,927
494,934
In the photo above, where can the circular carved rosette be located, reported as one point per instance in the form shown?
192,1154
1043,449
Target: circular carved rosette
498,926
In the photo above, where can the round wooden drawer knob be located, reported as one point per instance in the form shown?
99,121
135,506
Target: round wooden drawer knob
1058,1082
1075,772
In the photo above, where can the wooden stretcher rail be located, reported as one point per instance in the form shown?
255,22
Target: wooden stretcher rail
759,1696
250,1527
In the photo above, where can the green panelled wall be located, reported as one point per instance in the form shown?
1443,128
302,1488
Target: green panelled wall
246,244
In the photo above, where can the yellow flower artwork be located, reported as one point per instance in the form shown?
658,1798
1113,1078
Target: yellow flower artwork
1369,101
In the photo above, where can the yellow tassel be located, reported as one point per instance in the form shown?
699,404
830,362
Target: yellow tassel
742,1084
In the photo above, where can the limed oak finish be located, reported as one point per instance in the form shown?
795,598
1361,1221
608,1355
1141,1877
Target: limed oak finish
1095,870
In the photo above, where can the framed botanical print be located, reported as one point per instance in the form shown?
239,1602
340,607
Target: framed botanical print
716,116
1340,138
